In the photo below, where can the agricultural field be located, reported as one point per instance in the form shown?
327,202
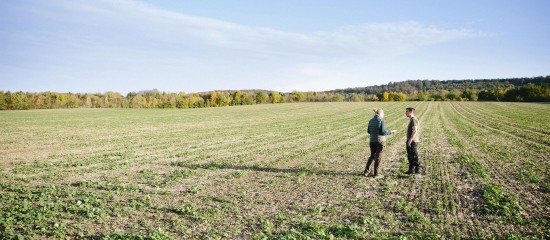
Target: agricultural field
283,171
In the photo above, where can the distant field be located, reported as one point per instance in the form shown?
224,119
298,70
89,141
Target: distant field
274,171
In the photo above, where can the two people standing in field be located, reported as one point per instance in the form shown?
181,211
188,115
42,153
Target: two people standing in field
377,143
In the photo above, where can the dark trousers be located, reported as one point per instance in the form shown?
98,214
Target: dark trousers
376,153
412,155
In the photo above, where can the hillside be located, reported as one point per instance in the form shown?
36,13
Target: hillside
409,86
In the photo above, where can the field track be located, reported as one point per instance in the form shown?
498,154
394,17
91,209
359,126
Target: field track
275,171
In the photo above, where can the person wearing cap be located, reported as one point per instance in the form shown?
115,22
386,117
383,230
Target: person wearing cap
378,133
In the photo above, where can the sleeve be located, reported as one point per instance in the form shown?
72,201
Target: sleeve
383,130
368,126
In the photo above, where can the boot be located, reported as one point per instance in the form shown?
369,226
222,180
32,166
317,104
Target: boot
376,168
417,170
366,172
411,170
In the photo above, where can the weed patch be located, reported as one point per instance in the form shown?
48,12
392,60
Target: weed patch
472,166
157,234
499,202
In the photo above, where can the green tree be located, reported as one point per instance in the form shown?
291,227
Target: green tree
196,101
182,101
453,96
437,96
167,100
372,97
261,97
487,95
248,98
469,95
539,92
356,98
3,105
17,101
113,100
512,95
72,101
500,94
225,99
421,96
296,96
58,100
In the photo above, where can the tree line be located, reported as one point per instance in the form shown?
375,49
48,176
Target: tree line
534,89
156,99
519,89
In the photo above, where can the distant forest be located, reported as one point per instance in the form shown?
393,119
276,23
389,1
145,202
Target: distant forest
536,89
511,90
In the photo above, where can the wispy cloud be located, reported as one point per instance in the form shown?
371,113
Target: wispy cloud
389,38
132,20
117,36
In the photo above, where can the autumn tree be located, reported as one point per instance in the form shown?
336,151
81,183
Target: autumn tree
386,97
275,97
237,98
397,96
337,97
225,99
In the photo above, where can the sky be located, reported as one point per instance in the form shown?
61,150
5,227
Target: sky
94,46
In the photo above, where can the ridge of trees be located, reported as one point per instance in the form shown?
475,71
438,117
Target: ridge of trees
508,89
535,89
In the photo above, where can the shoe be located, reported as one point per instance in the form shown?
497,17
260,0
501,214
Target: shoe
416,170
411,171
366,173
378,176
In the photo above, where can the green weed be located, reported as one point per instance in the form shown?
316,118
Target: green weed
177,175
157,234
499,202
472,165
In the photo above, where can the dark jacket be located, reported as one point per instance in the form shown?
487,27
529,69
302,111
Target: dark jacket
376,128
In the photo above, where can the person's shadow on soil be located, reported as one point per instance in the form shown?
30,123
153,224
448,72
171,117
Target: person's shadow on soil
269,169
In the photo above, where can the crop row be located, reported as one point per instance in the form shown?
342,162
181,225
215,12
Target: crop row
272,171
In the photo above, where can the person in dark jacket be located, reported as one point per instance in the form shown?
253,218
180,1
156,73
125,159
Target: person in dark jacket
378,133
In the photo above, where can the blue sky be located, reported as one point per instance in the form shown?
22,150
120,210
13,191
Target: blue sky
203,45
